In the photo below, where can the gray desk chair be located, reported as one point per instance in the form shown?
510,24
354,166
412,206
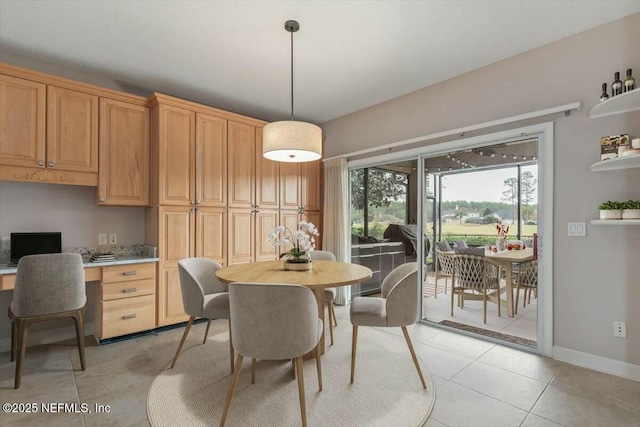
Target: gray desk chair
203,295
397,307
329,293
274,322
47,287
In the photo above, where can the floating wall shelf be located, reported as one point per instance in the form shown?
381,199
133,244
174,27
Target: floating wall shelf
624,162
615,222
624,103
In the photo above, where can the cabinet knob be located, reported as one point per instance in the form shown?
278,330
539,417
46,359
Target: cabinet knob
40,162
50,164
191,202
102,199
191,210
197,210
198,202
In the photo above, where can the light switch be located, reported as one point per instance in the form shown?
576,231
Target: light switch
577,229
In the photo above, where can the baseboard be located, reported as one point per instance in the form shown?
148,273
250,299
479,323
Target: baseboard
597,363
48,336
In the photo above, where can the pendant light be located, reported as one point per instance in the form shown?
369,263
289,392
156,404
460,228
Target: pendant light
291,141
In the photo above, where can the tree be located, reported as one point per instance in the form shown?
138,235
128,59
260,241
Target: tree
510,194
383,188
528,188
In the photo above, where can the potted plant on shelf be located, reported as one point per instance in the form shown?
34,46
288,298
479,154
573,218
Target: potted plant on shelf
631,209
303,241
610,210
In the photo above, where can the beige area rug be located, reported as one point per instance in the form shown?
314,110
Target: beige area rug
386,392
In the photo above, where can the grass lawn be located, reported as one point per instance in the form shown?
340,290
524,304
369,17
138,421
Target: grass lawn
487,229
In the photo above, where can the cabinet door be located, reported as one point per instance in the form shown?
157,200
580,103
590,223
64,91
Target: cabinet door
176,153
175,243
289,219
311,185
211,161
266,220
241,174
211,234
290,186
124,154
241,236
267,178
72,130
22,122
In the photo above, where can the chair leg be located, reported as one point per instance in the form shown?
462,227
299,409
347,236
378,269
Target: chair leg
330,321
231,353
446,283
484,303
435,291
413,355
319,367
79,321
253,370
206,332
293,368
515,306
184,337
303,410
452,298
22,328
232,388
354,344
333,311
14,338
498,291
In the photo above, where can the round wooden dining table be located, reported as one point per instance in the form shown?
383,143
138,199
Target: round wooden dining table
324,274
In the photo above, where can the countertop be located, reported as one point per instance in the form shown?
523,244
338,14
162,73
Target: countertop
5,269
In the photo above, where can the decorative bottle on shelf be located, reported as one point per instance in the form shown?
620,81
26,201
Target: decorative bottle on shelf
616,86
604,95
629,82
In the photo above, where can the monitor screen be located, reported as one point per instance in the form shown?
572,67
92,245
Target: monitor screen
35,243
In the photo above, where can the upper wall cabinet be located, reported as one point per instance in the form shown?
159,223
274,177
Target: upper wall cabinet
241,160
67,153
211,161
22,122
300,185
123,178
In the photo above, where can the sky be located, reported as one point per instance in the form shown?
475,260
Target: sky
481,186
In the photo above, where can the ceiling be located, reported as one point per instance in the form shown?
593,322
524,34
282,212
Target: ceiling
235,55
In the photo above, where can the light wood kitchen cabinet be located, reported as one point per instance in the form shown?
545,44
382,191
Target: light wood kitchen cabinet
47,133
301,185
192,158
241,164
72,130
123,177
22,122
267,178
248,231
126,300
185,232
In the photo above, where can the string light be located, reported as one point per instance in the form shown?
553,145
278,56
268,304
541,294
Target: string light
524,157
504,156
515,157
493,154
481,153
450,169
448,156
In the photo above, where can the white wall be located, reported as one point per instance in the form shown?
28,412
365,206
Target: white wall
596,278
71,210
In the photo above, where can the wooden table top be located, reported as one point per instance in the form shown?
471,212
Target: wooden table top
519,255
323,274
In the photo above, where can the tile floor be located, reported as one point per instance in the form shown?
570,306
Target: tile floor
523,324
478,383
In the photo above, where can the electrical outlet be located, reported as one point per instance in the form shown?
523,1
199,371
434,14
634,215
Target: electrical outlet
619,329
102,239
113,239
6,242
578,229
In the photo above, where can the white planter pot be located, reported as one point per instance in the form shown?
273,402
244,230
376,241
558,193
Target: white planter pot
611,214
631,214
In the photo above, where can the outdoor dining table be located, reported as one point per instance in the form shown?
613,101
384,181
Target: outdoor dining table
505,260
324,274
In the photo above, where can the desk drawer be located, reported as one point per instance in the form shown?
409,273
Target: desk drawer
129,315
125,273
111,291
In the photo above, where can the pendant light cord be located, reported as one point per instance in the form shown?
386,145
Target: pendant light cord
292,76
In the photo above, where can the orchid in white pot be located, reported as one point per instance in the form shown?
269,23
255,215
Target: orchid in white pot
302,239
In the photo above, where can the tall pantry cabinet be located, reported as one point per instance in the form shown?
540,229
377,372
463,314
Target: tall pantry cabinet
199,167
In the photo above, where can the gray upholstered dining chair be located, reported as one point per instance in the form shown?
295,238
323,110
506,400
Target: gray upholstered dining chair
47,287
329,293
203,295
474,273
274,322
398,306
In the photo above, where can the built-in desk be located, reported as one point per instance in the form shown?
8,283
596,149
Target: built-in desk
126,301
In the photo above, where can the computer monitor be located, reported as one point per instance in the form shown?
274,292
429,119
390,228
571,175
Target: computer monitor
23,244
